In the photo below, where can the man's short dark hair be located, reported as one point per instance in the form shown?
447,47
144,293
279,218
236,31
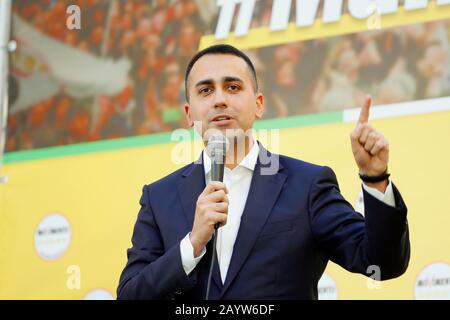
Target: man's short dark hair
219,49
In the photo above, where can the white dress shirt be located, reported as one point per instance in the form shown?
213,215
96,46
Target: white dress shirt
238,184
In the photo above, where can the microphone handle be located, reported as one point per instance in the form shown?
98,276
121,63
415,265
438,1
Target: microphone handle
217,171
217,175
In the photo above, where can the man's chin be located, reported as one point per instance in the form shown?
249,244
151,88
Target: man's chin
231,133
227,131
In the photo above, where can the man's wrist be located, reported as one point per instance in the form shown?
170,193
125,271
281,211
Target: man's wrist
379,181
197,247
374,177
380,186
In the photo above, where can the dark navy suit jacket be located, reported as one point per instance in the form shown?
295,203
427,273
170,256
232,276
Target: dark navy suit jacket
293,223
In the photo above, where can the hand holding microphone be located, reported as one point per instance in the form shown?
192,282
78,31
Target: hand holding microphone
211,209
212,205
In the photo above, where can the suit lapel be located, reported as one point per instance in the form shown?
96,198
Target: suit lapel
189,188
263,193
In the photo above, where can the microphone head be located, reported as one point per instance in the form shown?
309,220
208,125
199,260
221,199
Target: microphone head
217,146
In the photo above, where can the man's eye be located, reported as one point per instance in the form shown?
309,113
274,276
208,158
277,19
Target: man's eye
204,90
233,87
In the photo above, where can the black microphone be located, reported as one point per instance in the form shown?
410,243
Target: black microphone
217,148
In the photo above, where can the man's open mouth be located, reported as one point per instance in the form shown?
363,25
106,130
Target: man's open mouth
221,118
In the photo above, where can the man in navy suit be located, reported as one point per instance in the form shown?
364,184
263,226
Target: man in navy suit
281,219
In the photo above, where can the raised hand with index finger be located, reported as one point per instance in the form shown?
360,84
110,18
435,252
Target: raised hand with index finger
370,148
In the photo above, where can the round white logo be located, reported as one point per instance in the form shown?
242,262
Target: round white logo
433,282
52,236
99,294
327,288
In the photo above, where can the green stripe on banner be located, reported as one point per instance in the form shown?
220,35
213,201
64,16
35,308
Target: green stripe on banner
300,121
159,138
87,147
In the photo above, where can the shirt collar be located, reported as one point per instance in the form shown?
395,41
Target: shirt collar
248,162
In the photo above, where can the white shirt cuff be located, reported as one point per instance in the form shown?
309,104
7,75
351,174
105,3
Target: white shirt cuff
187,255
387,197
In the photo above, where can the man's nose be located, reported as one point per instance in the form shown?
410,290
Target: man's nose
220,100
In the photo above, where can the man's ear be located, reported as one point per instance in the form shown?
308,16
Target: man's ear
187,113
259,105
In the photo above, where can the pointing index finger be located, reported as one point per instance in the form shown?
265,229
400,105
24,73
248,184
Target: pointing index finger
364,113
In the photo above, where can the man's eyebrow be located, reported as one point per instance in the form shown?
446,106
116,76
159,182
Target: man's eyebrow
232,79
203,82
224,79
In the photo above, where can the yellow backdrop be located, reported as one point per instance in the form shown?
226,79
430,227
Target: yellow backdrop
98,193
